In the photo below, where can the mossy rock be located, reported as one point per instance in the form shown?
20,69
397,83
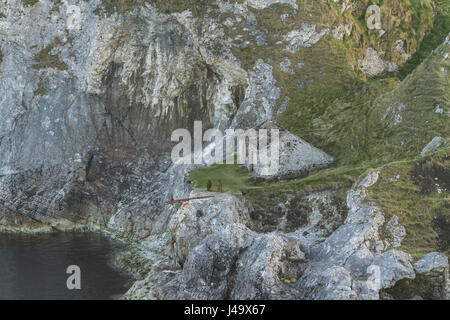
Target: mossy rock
44,59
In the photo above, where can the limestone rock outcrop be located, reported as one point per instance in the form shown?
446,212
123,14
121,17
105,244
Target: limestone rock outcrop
91,91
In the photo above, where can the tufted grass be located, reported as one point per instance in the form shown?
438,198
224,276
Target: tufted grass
235,178
416,208
44,59
431,40
40,91
30,2
109,7
343,114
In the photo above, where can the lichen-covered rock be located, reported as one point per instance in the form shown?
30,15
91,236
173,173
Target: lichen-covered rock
355,250
197,219
433,145
266,268
334,283
374,65
260,98
393,266
394,233
432,276
341,30
211,266
89,102
306,36
296,158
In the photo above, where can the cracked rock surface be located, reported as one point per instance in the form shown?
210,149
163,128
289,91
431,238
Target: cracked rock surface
87,113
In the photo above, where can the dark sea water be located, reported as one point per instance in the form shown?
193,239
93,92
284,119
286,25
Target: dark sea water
34,266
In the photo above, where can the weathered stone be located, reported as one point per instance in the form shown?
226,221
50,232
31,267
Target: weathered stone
373,64
306,37
197,219
296,158
261,269
432,276
211,266
394,265
88,108
433,145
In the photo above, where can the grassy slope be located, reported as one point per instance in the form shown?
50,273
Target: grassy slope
415,199
341,113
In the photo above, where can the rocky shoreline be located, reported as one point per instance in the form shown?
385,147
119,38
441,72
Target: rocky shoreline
89,108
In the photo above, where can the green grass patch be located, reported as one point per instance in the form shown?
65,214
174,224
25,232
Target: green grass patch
109,7
30,2
431,40
400,191
40,91
348,116
271,193
235,178
44,59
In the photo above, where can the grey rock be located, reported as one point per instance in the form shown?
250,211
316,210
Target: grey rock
394,114
432,276
197,219
85,141
285,66
341,30
306,36
394,266
400,47
359,262
210,267
374,65
395,233
433,261
262,267
261,96
296,158
354,251
334,283
262,4
434,143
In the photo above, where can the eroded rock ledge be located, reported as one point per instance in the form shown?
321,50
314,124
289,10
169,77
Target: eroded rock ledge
219,256
86,119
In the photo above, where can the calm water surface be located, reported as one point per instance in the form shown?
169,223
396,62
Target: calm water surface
34,266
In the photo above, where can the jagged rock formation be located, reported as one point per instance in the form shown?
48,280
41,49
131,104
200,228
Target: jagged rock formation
296,157
89,101
234,262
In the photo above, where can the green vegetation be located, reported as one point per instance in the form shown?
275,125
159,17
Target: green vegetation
40,91
1,56
56,5
364,123
432,40
29,2
109,7
408,191
44,59
234,178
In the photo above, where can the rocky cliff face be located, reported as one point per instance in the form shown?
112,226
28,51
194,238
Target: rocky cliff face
91,92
